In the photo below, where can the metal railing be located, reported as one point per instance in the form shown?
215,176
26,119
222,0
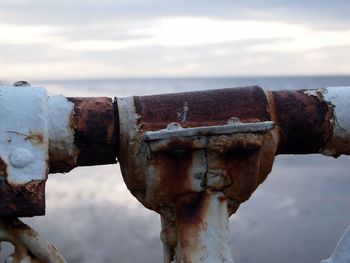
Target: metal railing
192,157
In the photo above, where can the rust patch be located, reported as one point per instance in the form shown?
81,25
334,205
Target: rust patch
172,164
168,234
222,199
245,159
35,138
190,215
202,108
190,208
242,165
3,168
303,122
94,130
22,201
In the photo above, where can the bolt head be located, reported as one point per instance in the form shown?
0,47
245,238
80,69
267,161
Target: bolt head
21,157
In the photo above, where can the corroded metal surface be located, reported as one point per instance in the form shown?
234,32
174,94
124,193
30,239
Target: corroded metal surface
312,121
337,100
23,200
202,108
303,121
30,247
180,173
94,130
91,122
174,158
24,150
202,228
39,134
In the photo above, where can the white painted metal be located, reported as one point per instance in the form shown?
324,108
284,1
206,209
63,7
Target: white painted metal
61,134
207,241
237,127
32,125
24,133
339,99
30,247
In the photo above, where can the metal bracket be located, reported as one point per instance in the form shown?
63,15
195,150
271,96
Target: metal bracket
211,167
194,174
30,247
24,153
233,126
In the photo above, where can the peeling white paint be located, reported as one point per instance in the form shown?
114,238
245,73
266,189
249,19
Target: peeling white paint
131,151
127,115
339,99
30,247
313,92
182,115
231,128
61,133
24,133
210,240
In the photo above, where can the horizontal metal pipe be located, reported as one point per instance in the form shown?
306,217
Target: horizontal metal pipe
85,131
303,120
306,119
41,134
94,129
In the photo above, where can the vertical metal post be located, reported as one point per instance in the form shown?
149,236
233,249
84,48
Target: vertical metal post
202,222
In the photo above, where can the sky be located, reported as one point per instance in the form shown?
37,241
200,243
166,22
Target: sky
82,39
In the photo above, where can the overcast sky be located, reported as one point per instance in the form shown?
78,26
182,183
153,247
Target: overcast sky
42,39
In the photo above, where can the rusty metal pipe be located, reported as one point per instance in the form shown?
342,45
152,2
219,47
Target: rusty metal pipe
307,122
40,133
92,123
305,118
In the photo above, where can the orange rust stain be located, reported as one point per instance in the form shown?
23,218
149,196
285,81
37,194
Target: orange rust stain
206,108
190,208
240,156
93,121
35,138
190,214
330,142
244,170
22,200
222,199
302,120
110,133
172,164
271,105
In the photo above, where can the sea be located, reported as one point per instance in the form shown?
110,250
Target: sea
297,215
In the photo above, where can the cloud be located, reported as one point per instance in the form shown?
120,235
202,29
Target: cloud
178,32
29,35
203,31
41,39
81,12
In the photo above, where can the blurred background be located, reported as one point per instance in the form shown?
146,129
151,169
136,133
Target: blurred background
123,48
